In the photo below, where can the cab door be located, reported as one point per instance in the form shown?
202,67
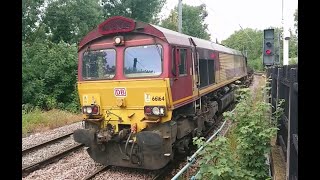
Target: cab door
182,75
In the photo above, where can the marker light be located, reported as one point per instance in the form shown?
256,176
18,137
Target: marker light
147,110
117,40
161,111
95,110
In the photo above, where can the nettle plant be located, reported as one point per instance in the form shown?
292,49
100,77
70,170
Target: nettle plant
241,155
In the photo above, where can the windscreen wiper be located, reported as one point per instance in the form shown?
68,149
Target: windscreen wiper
158,49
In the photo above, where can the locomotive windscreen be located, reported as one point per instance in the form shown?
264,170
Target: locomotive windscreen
99,64
143,61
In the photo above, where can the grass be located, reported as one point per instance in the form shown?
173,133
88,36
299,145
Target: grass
38,120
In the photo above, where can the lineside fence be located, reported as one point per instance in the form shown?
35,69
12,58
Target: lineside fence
284,85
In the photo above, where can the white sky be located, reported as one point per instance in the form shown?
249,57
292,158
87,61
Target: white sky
224,16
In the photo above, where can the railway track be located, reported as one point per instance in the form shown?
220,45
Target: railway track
37,165
93,174
159,174
34,166
38,146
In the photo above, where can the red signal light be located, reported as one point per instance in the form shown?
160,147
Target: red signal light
268,52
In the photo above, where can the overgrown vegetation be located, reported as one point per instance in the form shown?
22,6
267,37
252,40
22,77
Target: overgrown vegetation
241,155
36,120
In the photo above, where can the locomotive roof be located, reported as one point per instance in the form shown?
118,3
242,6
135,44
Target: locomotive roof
183,39
170,36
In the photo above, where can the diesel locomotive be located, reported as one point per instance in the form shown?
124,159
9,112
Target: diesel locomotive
146,91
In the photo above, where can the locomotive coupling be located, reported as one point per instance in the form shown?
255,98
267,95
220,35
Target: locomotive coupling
104,135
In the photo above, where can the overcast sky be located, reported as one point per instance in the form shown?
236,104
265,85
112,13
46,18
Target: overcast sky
226,15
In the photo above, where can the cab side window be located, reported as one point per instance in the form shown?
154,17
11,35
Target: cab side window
179,56
183,62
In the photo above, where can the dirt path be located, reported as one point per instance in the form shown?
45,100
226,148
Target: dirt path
256,84
277,157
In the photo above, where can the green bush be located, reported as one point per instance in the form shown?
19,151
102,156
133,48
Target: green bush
256,64
49,74
293,61
242,154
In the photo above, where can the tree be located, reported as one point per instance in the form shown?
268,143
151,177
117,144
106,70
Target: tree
240,40
70,20
192,21
142,10
49,74
31,15
293,44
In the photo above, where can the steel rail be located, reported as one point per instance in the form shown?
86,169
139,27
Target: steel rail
37,165
24,151
90,176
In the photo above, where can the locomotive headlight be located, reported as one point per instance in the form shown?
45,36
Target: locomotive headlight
117,40
156,111
89,110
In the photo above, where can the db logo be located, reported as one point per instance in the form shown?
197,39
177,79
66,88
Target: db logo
120,92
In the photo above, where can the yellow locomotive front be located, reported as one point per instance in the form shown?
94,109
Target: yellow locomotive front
126,100
121,119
